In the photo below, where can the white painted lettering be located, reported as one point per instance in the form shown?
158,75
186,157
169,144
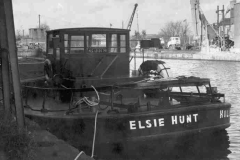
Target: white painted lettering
195,117
189,118
221,113
155,122
174,120
181,119
132,125
140,125
161,121
148,124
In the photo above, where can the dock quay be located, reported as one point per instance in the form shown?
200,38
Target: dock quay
49,147
46,146
189,55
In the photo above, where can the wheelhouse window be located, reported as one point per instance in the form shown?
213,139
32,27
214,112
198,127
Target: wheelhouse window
98,40
76,44
50,44
113,43
51,40
66,49
123,43
96,43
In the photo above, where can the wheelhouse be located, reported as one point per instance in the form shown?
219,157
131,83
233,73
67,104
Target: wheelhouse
89,52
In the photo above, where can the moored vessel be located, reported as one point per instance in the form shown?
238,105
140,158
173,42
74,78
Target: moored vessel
89,96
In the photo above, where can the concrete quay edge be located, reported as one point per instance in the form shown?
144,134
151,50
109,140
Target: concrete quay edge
216,56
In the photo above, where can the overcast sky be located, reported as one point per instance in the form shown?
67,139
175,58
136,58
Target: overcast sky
151,14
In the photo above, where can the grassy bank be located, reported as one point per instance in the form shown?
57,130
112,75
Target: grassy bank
13,145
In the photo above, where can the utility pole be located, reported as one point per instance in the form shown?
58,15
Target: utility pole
14,63
39,20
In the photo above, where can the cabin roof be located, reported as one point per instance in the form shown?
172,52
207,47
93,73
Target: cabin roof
91,29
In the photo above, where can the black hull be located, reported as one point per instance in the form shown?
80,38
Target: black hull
78,130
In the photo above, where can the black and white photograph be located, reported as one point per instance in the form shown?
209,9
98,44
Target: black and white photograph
119,79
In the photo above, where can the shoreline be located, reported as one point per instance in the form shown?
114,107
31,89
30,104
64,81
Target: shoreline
189,55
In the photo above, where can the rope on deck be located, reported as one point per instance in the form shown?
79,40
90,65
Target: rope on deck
87,101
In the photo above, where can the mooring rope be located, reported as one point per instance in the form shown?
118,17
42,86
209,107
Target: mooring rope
87,101
79,155
94,135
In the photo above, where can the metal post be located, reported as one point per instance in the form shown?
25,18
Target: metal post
217,16
218,24
39,20
112,97
223,18
201,32
207,40
5,60
135,63
196,19
14,63
143,54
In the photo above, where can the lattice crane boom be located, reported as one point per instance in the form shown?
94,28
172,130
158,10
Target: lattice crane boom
132,16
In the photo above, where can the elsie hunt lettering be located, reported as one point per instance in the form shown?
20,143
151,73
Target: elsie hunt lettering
160,122
224,113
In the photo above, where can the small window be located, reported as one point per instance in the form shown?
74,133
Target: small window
65,40
76,44
66,50
98,40
113,43
123,43
50,51
96,43
50,44
65,37
57,54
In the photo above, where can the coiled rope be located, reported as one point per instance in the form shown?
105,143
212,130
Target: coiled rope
87,101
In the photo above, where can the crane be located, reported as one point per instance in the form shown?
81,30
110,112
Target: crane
131,19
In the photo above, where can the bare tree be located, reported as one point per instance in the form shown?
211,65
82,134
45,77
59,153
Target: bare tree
139,36
44,26
18,34
144,33
176,29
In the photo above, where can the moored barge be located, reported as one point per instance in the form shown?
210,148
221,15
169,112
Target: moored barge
89,94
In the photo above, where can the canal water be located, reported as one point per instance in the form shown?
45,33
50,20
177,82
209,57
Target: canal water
224,145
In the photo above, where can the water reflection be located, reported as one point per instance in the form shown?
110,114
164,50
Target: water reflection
207,145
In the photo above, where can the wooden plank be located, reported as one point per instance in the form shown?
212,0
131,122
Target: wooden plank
5,60
14,63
